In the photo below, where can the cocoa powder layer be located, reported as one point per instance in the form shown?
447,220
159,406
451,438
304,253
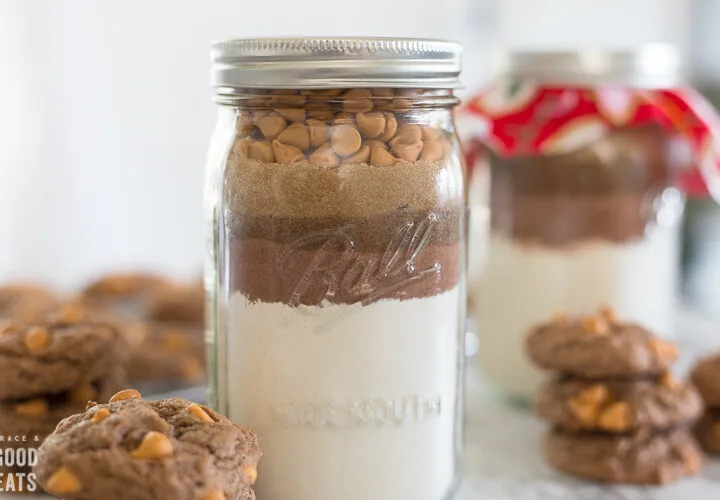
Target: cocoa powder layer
337,273
604,190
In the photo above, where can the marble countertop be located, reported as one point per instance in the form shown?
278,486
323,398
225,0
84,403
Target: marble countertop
502,459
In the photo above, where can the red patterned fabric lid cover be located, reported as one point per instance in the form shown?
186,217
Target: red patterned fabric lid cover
521,118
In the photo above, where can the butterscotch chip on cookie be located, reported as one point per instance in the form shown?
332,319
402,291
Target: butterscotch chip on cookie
36,360
706,377
639,458
30,421
618,406
146,450
596,348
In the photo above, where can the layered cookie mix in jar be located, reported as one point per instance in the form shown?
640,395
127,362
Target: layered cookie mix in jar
586,157
336,204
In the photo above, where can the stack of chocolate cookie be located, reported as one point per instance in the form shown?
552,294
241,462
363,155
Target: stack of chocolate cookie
50,371
706,377
162,323
618,415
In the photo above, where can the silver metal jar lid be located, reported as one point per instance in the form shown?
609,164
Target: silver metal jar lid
655,65
277,63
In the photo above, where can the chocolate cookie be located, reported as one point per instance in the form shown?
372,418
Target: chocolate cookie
706,377
125,294
618,405
52,358
178,304
34,419
18,301
163,353
597,347
131,449
641,458
707,431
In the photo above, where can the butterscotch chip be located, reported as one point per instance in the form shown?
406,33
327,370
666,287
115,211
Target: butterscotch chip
402,105
664,349
407,152
72,313
33,408
292,114
324,156
37,339
251,473
263,151
196,409
374,143
126,394
596,394
595,325
609,314
408,133
321,92
175,341
319,132
431,151
668,381
214,495
322,114
259,115
371,125
154,446
191,369
346,140
615,418
286,99
287,154
430,133
83,393
242,147
559,318
63,482
244,124
391,126
90,404
381,158
357,101
272,125
344,119
362,156
100,415
296,135
7,327
586,413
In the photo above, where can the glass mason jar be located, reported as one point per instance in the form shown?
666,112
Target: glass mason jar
585,213
336,205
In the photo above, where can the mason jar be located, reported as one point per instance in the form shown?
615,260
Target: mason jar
583,154
336,270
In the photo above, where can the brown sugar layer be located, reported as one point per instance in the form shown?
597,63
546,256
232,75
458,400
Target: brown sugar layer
271,272
358,190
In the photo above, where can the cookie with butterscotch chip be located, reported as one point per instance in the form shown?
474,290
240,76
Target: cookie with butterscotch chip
132,449
640,458
41,359
618,405
597,347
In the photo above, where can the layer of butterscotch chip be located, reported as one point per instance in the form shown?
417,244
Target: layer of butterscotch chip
341,127
150,450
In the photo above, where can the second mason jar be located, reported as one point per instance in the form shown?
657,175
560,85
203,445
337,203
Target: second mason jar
582,158
336,203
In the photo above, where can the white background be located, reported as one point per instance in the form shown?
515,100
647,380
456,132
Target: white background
105,109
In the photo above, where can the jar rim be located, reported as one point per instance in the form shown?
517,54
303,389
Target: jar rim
335,62
654,65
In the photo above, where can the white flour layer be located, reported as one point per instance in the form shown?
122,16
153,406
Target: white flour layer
350,402
525,285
